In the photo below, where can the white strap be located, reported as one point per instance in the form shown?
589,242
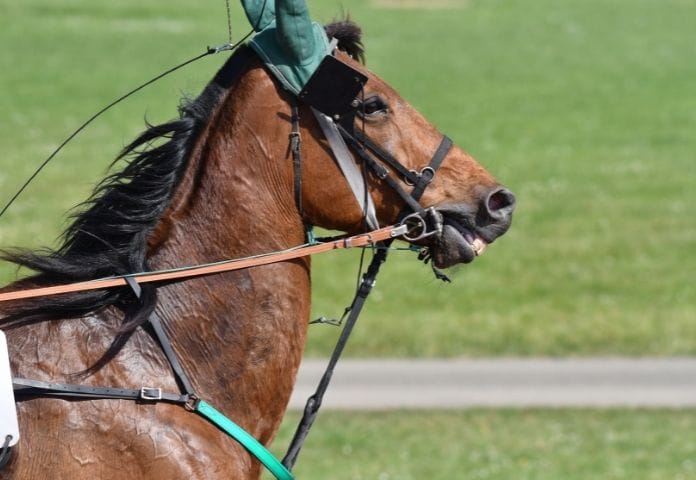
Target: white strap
8,412
349,167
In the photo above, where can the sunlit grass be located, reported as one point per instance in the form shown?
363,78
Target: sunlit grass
498,444
585,109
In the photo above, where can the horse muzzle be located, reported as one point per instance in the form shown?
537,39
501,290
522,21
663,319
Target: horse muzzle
468,230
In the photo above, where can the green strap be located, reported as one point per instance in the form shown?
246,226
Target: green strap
250,443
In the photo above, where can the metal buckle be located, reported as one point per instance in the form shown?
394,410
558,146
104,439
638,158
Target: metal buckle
430,174
417,225
191,403
150,394
420,175
399,231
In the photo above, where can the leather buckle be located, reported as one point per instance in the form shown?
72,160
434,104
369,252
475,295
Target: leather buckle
150,394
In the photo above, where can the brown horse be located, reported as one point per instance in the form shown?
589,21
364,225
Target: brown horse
216,183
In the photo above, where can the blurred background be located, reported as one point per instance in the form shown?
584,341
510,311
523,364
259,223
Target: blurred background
586,109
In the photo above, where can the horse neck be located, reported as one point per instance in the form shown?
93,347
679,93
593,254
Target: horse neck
240,335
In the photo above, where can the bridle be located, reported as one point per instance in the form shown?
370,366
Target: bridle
367,150
421,223
415,221
343,138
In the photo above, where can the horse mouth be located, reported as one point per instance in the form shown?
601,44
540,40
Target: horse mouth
457,243
466,233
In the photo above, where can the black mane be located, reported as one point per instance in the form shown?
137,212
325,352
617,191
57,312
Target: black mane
109,232
108,235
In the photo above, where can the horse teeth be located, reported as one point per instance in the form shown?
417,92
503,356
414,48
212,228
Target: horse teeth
478,246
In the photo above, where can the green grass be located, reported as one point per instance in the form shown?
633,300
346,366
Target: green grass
499,444
586,109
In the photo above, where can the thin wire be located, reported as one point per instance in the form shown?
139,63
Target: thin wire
91,119
229,22
209,51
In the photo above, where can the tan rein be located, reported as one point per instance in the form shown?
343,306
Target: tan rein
183,273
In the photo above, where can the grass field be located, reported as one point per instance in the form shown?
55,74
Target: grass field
586,109
499,444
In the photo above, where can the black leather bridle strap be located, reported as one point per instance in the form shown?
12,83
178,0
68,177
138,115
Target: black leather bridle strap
164,343
368,281
295,142
314,402
425,179
24,387
365,141
420,181
379,170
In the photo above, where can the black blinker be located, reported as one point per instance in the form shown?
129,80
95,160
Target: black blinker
332,87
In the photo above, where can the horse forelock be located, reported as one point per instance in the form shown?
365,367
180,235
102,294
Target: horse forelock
349,36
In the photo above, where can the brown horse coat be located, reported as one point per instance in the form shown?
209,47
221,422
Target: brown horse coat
239,335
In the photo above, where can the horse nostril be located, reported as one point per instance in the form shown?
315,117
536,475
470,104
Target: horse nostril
500,202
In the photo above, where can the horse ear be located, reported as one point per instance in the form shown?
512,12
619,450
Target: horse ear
260,13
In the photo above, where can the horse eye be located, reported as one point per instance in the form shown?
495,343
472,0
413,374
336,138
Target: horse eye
373,105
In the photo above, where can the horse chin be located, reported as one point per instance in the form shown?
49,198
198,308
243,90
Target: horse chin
451,248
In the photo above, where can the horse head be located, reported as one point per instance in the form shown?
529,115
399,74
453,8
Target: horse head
475,208
229,178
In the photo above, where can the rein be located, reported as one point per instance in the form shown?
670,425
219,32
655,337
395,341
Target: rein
412,228
425,219
417,227
418,224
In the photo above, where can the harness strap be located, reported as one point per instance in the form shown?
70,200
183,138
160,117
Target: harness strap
380,170
365,141
314,402
350,169
165,344
295,141
25,387
425,179
5,451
